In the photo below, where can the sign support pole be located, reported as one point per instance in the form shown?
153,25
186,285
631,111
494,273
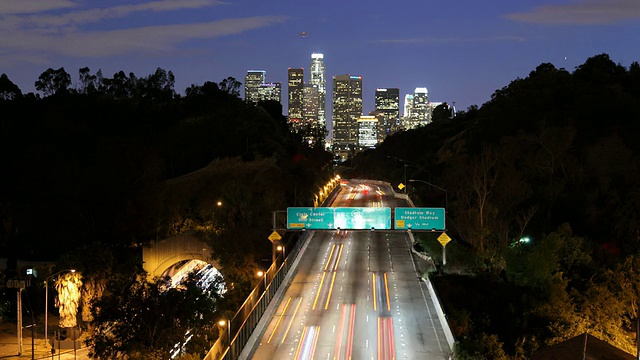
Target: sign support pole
19,321
444,255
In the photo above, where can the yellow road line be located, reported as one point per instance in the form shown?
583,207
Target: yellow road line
319,290
279,319
291,322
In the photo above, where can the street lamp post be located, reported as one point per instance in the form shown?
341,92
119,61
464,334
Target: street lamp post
46,302
224,325
263,275
409,163
446,196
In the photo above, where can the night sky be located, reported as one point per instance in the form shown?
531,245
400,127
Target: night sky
461,51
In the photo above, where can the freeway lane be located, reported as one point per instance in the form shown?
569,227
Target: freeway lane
356,295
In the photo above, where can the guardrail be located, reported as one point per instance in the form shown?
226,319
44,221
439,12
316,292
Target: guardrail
238,330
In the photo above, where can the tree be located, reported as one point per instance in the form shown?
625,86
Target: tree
68,300
231,85
53,82
441,112
88,83
8,90
140,319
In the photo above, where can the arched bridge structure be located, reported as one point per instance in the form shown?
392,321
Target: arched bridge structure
160,255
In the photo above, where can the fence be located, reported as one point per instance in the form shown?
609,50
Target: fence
238,330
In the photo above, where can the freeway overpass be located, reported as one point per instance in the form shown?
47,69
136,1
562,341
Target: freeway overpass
354,295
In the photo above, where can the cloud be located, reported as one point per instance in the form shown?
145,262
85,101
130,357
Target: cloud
582,12
98,14
62,27
451,40
143,39
33,6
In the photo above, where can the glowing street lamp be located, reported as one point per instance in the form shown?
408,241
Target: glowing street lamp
46,301
281,248
224,327
263,275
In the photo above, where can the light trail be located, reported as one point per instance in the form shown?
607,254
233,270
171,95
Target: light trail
308,343
351,333
337,349
373,285
386,340
386,289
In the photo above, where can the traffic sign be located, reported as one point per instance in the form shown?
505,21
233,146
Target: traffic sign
274,237
419,218
313,218
444,239
359,218
401,186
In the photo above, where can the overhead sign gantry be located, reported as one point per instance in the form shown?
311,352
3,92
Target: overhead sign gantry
365,218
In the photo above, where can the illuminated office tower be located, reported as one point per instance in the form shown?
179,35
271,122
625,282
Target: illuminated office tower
270,91
347,108
367,132
317,77
296,98
388,105
310,108
408,106
252,82
420,108
315,132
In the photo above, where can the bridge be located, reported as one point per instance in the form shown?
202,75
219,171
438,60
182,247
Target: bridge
169,255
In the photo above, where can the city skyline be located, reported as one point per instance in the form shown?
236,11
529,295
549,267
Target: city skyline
461,52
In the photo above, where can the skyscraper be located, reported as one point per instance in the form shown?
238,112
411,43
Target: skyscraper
316,133
347,108
388,103
310,105
270,91
252,82
317,77
367,131
420,107
408,106
296,98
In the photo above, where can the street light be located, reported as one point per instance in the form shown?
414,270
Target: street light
263,274
409,163
46,301
281,248
224,325
446,196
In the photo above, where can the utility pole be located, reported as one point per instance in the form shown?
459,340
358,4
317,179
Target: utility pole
20,321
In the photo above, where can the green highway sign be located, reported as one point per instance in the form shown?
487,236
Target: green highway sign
419,218
312,218
359,218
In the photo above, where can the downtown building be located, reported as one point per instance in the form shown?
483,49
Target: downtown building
417,109
318,78
256,88
310,112
270,91
296,99
368,127
252,82
387,102
347,109
420,114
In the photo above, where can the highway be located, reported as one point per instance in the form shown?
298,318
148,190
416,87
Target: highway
356,295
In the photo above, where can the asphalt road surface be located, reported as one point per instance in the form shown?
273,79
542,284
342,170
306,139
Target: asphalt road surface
356,295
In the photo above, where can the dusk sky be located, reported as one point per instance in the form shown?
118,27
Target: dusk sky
461,51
